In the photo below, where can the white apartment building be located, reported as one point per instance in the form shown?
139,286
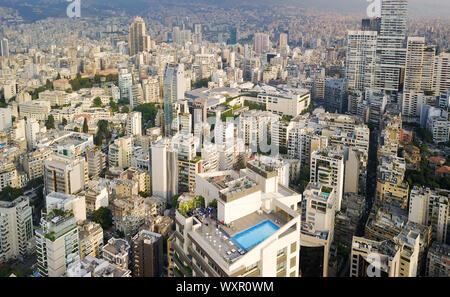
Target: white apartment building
5,119
327,167
151,89
120,152
57,243
36,109
16,230
360,60
55,97
164,170
441,73
246,201
134,123
125,83
430,207
317,226
75,204
419,65
439,128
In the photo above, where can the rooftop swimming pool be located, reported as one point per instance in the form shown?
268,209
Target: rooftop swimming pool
254,235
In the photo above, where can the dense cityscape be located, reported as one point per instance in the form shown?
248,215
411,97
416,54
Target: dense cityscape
244,139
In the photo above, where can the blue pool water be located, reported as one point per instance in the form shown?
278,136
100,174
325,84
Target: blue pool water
254,235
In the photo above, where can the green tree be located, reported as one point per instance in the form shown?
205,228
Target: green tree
9,193
125,109
148,111
113,105
213,203
48,85
85,126
103,217
50,122
64,121
97,102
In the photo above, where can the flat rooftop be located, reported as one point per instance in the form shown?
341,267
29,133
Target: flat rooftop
219,237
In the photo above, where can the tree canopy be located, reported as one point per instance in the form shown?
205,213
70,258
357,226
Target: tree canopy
103,217
50,122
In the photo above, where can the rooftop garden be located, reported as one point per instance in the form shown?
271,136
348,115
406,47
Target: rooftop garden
326,190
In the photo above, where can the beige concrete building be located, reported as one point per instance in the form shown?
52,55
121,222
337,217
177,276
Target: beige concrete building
33,162
117,251
91,239
65,175
96,160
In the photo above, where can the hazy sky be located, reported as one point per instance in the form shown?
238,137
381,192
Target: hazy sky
415,7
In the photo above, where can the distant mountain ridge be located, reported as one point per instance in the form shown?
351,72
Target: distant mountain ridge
32,10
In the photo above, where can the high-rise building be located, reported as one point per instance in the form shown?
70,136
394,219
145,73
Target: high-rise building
360,59
134,123
327,167
136,96
5,118
371,24
336,95
173,90
317,228
431,207
283,40
16,230
125,84
419,65
438,260
138,40
57,243
65,175
164,170
147,254
441,73
188,163
96,160
391,53
151,90
261,42
120,152
4,48
234,35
